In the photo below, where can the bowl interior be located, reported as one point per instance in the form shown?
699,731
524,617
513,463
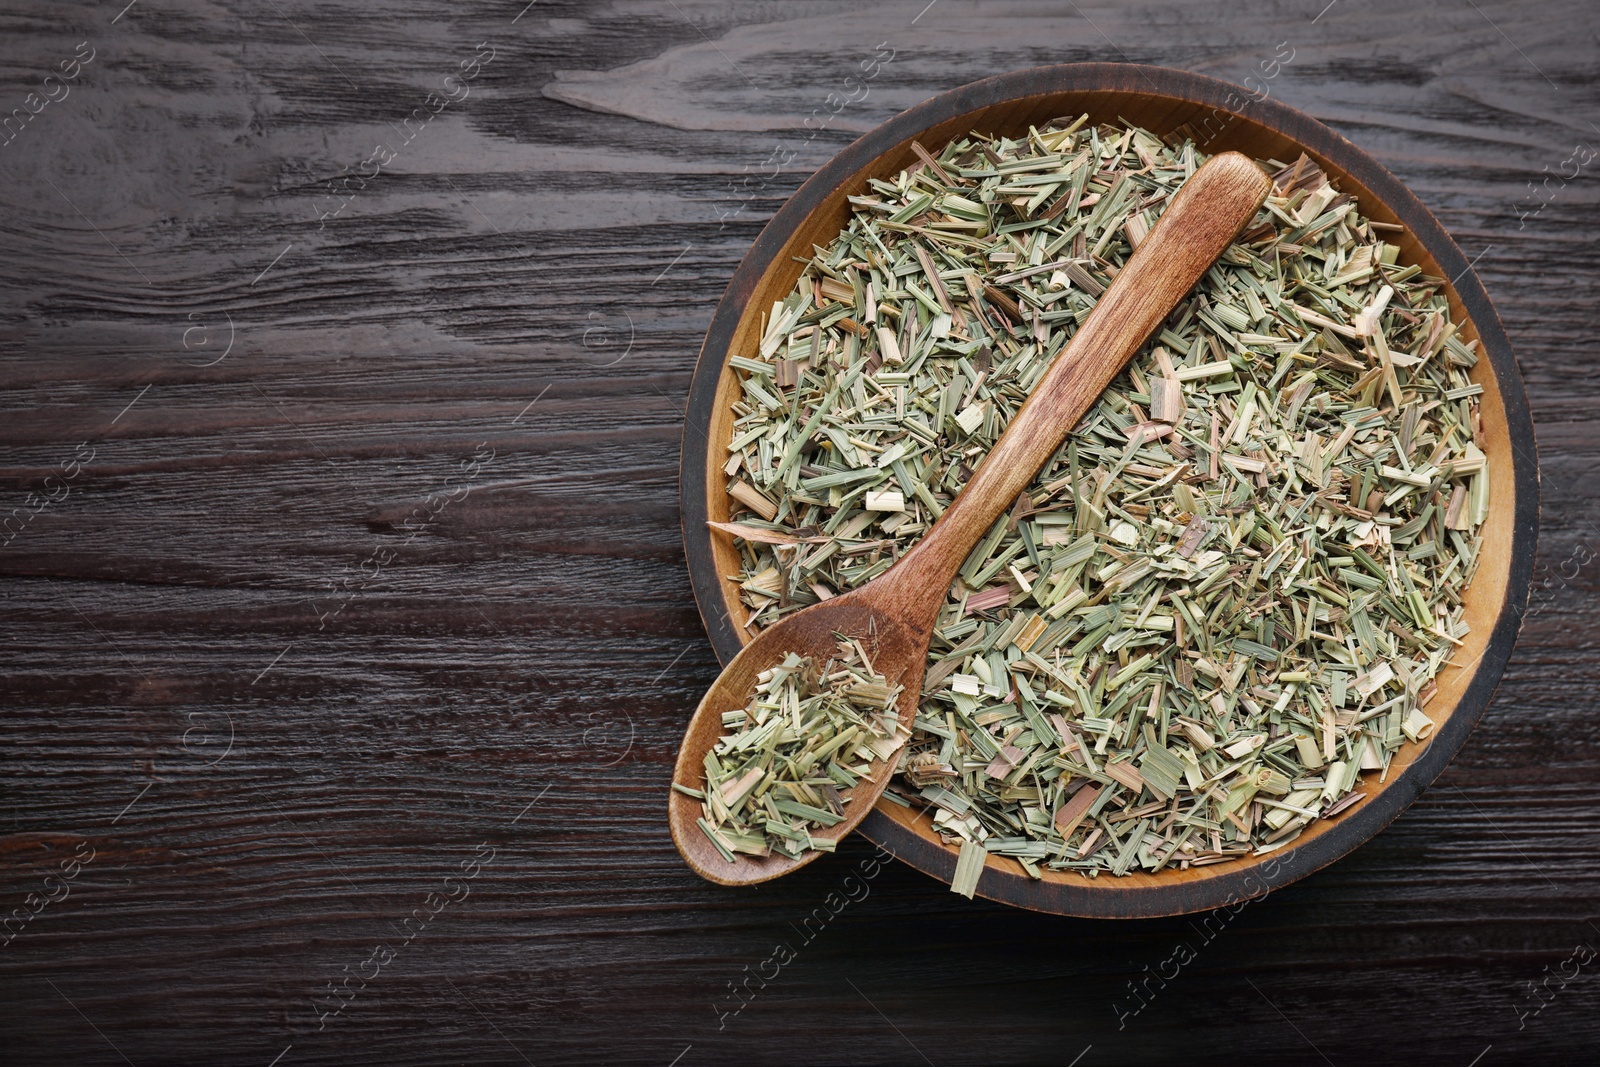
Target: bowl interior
1162,114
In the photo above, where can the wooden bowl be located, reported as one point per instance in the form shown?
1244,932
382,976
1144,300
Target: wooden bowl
1160,100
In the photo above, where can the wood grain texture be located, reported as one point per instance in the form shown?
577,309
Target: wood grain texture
535,640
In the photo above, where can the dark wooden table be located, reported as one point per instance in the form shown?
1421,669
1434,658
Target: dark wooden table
347,638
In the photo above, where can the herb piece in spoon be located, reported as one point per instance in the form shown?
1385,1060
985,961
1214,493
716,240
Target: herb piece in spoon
789,758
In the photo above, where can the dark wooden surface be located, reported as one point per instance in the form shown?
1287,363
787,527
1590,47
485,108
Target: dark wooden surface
284,655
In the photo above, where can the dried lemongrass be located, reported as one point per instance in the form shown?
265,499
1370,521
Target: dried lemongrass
808,734
1225,598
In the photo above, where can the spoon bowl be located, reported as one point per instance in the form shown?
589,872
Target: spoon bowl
898,651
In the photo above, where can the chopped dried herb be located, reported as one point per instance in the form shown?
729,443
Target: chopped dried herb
1229,593
807,734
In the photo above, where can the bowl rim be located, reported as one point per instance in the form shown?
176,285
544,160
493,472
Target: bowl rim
1229,886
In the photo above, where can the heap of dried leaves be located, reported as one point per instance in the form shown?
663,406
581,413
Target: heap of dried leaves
1226,596
807,733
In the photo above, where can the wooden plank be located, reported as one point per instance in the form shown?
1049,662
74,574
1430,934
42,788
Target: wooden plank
535,640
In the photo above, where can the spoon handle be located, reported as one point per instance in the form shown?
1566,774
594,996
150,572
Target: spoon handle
1202,219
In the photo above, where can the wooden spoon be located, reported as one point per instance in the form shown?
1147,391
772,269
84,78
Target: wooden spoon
894,614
